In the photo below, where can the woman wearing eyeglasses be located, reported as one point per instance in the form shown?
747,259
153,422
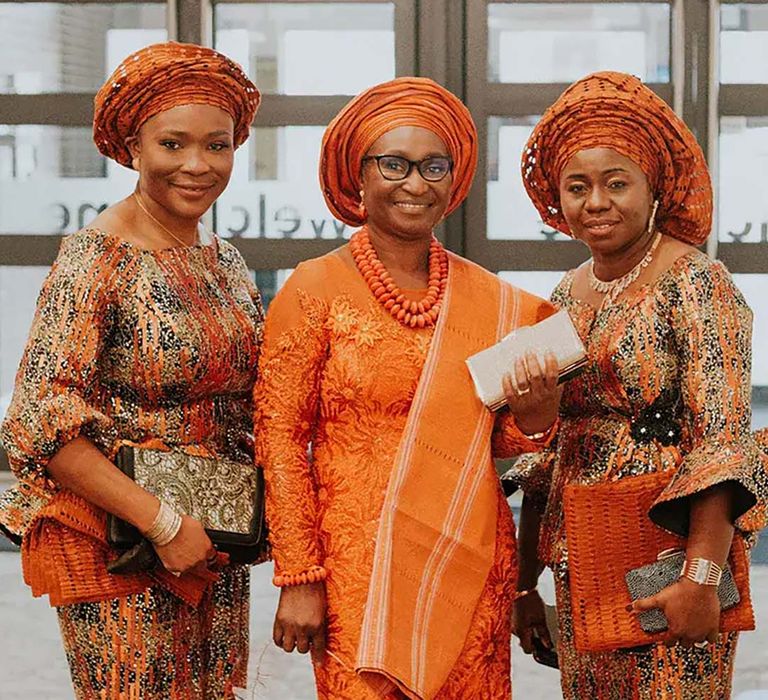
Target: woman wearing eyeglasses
393,544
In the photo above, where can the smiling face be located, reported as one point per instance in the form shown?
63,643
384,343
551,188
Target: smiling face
412,207
605,199
184,157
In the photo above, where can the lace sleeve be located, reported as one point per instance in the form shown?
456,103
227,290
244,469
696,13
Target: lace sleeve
286,403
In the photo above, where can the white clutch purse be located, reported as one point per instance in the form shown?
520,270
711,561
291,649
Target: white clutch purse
556,334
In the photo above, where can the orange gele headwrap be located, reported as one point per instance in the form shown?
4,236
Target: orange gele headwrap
615,110
400,102
160,77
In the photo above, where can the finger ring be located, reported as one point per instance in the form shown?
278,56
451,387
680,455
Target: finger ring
523,392
701,645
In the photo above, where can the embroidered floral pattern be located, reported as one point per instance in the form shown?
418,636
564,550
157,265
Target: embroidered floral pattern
338,376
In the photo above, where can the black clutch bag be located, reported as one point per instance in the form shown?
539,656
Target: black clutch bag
648,580
226,496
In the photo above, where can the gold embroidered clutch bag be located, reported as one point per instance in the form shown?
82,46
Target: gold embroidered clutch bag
556,334
226,496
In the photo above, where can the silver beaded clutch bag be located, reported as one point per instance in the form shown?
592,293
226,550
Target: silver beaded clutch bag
648,580
556,334
226,496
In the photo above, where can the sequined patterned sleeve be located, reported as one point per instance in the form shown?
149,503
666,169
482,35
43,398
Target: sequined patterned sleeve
58,373
532,473
712,326
286,403
761,437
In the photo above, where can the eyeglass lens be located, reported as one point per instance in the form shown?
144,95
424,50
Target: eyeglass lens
432,169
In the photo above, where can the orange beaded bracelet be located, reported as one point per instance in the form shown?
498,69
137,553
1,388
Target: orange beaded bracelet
313,575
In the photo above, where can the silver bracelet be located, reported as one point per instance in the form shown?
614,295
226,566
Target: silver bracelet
702,571
165,526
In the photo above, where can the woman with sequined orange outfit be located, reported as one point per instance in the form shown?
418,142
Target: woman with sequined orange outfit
393,543
667,386
147,330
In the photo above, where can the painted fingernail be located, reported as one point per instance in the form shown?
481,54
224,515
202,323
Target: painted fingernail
629,608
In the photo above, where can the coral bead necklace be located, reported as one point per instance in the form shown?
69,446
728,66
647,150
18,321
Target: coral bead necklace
415,314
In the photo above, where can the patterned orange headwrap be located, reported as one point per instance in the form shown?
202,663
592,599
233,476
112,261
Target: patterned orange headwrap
401,102
160,77
615,110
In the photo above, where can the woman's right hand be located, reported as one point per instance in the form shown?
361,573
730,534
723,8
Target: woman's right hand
529,620
190,549
532,392
300,619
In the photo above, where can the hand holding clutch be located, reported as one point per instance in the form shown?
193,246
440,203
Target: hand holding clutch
532,394
555,334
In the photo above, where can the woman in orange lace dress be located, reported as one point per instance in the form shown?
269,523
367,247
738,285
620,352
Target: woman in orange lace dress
147,329
393,543
667,387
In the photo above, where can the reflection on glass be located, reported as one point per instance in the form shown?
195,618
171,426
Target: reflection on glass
67,47
570,40
310,49
53,180
510,214
274,191
744,43
743,162
19,287
540,283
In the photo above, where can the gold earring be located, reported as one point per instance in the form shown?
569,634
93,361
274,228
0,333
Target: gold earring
652,220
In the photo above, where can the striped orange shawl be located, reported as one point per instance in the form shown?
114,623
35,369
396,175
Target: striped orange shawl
436,537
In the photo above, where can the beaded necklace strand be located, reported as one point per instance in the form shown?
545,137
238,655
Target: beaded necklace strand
414,314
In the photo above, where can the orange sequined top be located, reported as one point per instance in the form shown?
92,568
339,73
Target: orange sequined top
667,387
126,344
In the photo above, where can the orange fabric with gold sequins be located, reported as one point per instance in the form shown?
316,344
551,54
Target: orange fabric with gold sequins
401,102
616,111
667,388
128,345
160,77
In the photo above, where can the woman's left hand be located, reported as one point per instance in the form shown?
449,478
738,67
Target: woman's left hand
532,393
692,611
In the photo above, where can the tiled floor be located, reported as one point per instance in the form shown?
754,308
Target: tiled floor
32,665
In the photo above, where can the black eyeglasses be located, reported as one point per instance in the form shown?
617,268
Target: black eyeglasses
432,169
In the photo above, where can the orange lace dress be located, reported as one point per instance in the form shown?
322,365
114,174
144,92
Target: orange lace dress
337,378
133,344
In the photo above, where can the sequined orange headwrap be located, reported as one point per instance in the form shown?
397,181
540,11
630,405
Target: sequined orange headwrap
160,77
615,110
401,102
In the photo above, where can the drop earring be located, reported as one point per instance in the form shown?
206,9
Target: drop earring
652,220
